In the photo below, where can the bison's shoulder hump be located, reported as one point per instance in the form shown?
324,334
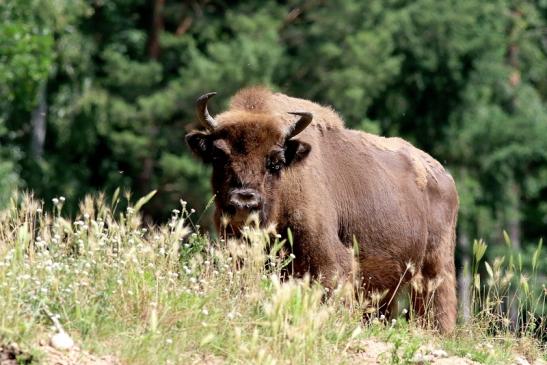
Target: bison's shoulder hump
259,99
252,99
322,115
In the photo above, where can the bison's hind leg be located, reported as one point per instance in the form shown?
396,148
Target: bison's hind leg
433,290
434,301
445,302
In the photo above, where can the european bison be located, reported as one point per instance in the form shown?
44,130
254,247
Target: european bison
294,163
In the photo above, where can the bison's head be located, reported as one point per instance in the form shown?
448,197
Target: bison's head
249,153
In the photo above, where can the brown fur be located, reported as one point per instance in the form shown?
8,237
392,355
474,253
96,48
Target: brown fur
397,201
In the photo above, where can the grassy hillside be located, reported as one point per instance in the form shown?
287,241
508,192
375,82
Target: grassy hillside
167,294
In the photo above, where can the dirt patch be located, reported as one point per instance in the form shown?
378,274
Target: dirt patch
200,359
370,352
452,360
74,356
521,360
374,352
429,354
12,355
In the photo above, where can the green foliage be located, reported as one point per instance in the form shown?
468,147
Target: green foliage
8,180
464,80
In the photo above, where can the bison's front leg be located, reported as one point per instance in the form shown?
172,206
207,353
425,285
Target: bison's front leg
324,257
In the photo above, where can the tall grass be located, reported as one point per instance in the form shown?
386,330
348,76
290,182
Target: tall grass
509,299
170,294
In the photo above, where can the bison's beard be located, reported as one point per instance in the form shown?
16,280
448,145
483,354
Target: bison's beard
244,217
235,220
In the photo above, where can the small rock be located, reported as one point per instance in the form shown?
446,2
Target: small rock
420,358
61,341
14,346
519,360
439,353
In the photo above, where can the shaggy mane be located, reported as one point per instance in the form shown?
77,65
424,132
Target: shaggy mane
261,100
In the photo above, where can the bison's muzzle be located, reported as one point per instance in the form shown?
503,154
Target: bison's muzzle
245,199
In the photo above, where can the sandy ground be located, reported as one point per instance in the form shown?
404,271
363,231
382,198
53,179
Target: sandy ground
371,352
366,352
12,355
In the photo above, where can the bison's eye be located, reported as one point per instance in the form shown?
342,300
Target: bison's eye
220,152
219,156
274,166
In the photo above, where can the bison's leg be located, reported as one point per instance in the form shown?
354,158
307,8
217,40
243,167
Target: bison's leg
419,299
333,268
324,257
382,278
444,299
437,297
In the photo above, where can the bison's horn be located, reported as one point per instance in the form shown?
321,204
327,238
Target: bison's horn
203,114
301,124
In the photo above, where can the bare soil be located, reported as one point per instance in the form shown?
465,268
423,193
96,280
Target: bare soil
366,352
12,355
374,352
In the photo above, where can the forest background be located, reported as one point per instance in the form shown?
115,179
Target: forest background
96,95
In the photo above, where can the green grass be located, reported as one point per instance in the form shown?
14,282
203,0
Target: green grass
164,294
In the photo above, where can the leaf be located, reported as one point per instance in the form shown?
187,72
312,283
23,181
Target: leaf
277,247
489,269
207,339
356,332
479,248
116,196
289,237
145,199
506,238
355,247
535,257
477,281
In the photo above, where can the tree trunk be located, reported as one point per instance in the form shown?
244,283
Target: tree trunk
513,219
464,280
38,124
154,50
513,225
154,47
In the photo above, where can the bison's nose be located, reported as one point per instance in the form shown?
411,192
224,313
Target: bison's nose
245,198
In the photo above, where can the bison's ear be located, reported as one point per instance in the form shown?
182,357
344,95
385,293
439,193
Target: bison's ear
296,151
199,142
